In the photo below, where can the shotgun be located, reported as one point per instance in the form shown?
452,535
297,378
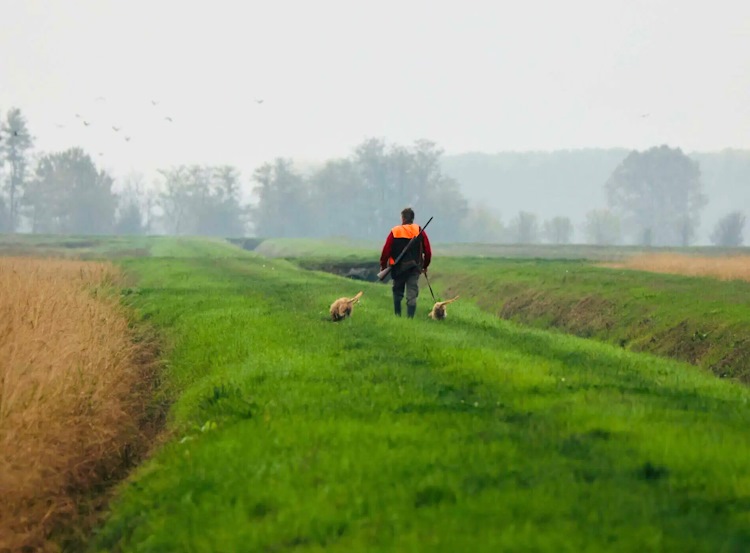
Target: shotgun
385,272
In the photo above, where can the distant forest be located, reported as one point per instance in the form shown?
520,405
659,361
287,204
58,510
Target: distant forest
660,196
571,183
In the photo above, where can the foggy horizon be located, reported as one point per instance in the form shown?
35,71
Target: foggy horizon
146,88
478,77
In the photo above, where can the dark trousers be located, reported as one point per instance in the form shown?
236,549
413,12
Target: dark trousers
408,281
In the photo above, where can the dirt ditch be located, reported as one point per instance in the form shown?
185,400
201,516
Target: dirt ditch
366,271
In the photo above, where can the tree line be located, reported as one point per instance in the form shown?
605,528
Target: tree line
653,198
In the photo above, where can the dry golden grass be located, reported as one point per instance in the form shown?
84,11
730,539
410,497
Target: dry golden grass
72,394
723,268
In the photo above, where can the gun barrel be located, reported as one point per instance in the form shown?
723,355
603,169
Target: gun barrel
384,273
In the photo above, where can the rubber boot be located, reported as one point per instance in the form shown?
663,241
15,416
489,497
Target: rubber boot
410,310
397,308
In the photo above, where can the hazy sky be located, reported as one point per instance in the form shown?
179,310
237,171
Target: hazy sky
484,76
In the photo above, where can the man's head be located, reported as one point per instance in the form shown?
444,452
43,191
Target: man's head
407,216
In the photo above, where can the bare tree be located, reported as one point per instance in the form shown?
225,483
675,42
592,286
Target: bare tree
16,141
481,224
132,217
602,227
558,230
524,228
728,230
283,208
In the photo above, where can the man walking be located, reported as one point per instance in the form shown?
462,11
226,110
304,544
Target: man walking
415,261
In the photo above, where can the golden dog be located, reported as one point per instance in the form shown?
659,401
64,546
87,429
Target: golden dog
438,312
343,307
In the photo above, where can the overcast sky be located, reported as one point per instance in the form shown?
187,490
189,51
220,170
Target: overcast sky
472,76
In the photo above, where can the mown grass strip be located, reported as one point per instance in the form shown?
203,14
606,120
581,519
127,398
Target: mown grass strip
291,432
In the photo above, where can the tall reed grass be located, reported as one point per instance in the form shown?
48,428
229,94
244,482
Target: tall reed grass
724,268
73,394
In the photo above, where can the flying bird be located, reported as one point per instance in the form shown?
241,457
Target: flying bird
86,123
78,115
645,115
259,101
168,119
116,129
99,99
127,139
154,103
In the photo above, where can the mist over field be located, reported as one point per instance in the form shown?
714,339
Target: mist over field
571,182
507,126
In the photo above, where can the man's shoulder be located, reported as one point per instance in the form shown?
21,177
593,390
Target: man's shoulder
407,230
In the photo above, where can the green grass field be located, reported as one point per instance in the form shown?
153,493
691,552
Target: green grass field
112,247
696,319
289,432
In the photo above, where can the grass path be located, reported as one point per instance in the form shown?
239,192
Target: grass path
383,434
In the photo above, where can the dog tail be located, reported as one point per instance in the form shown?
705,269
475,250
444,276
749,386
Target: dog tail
446,302
355,299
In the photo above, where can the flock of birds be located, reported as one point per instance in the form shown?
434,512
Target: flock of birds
115,128
88,122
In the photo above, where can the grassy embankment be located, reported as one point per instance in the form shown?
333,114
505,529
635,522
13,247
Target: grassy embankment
291,432
108,247
694,318
338,248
